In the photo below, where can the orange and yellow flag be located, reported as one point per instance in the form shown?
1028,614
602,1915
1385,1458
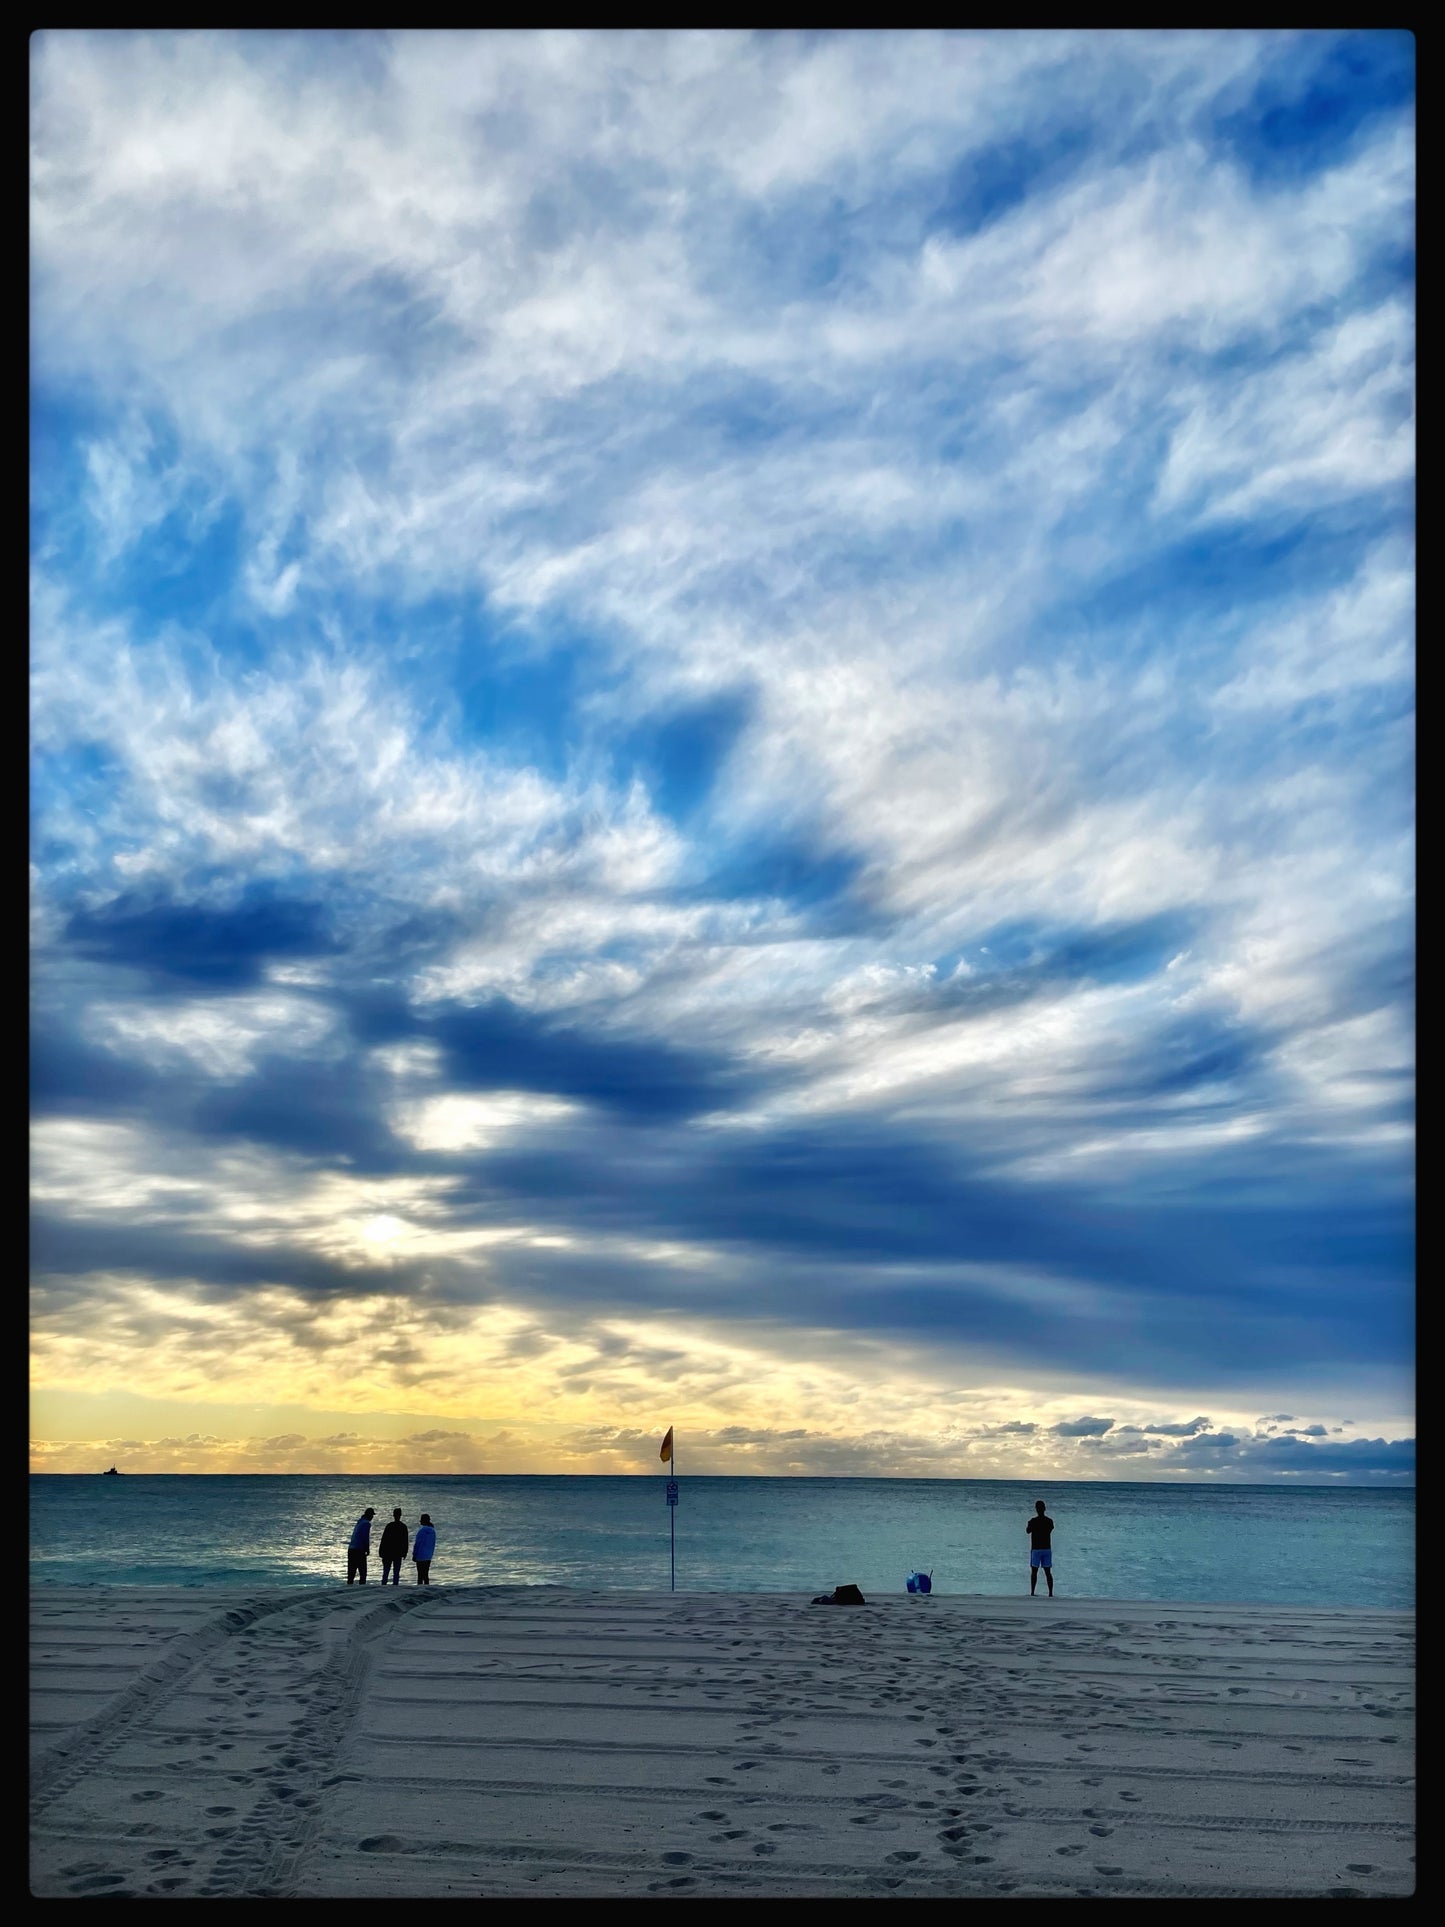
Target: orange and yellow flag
666,1453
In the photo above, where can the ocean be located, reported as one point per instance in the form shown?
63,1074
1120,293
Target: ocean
1258,1545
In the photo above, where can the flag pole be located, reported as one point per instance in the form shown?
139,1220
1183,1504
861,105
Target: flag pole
668,1455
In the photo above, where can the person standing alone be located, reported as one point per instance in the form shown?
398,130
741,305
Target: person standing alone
423,1547
1041,1541
360,1546
394,1541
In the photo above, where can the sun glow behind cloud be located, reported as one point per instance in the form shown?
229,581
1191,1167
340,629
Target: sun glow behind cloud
724,721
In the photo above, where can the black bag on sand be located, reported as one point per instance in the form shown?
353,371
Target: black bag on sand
841,1596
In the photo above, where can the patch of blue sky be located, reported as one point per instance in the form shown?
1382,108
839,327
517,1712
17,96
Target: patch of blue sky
819,884
681,754
81,771
166,553
1031,954
1311,109
524,697
1212,572
991,182
802,247
729,415
63,422
184,572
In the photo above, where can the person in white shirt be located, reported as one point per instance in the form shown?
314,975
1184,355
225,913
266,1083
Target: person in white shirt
422,1549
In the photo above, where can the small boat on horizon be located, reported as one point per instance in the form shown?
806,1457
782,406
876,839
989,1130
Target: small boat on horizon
110,1473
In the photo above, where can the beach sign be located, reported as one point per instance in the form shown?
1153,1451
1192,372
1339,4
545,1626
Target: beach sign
672,1492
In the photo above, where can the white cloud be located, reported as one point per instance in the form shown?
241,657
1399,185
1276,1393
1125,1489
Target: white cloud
458,1123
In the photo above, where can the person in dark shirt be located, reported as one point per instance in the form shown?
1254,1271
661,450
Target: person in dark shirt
356,1552
1041,1541
393,1547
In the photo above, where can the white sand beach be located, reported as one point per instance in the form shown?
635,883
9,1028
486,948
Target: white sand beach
509,1741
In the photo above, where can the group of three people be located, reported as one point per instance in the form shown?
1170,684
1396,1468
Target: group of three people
394,1542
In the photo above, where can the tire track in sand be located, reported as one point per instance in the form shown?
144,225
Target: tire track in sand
264,1857
79,1752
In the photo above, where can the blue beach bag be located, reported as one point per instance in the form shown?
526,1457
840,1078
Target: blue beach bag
920,1582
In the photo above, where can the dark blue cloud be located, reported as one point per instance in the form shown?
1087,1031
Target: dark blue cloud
330,1110
844,1208
67,1074
205,1260
224,948
1349,1456
496,1046
1186,1053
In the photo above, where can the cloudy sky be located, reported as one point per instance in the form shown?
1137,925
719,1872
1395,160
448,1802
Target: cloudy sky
722,736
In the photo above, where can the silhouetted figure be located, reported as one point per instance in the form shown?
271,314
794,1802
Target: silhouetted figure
1041,1539
423,1546
360,1546
394,1541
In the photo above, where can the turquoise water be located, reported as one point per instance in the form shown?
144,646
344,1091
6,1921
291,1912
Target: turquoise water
1305,1545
